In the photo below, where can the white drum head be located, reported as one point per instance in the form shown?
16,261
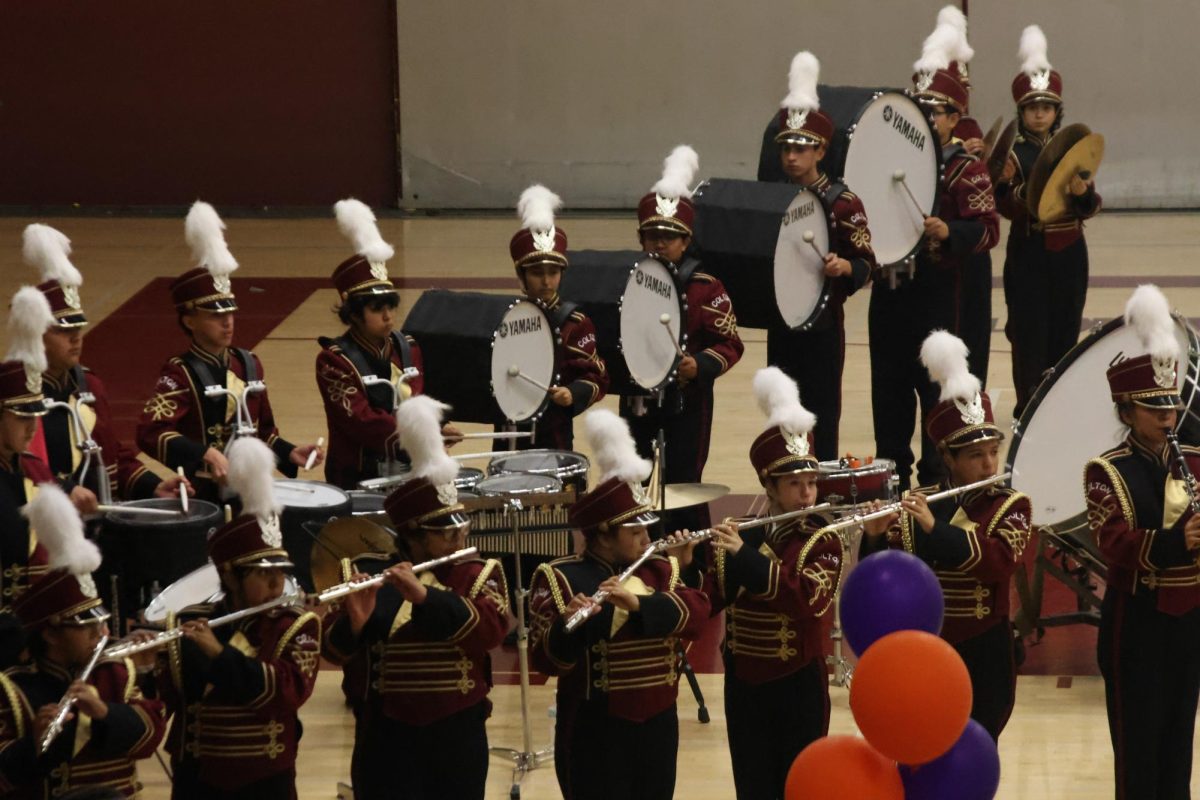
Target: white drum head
1072,419
646,342
196,587
893,134
799,272
525,340
293,493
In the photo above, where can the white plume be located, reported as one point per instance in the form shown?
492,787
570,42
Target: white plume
59,528
357,223
1148,311
613,448
419,423
952,16
251,476
47,250
679,170
536,208
778,397
205,234
28,318
1032,50
936,52
945,356
802,83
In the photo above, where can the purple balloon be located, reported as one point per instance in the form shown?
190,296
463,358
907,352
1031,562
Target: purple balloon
887,592
970,770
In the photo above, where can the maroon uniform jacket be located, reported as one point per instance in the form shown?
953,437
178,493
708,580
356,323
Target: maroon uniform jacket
711,327
974,547
1137,507
628,662
968,207
88,753
850,239
235,716
361,422
428,661
128,478
22,557
775,592
1013,204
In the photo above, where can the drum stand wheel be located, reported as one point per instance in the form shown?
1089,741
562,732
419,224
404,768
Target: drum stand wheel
526,759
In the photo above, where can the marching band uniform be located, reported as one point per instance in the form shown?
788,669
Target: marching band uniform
1046,263
901,318
361,419
974,547
89,752
179,424
816,357
1149,642
776,592
576,361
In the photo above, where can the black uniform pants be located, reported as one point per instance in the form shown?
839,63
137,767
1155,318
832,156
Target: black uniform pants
991,663
975,319
770,723
395,761
815,360
1151,667
607,757
1045,292
188,784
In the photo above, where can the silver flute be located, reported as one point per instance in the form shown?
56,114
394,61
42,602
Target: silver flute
67,703
895,508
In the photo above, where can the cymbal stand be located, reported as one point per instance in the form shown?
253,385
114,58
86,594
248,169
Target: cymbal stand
526,759
843,670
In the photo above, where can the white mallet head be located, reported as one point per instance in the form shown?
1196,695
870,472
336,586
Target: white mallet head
808,237
898,175
665,319
514,371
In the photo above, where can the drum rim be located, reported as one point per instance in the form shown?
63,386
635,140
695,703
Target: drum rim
827,286
682,301
160,521
581,467
555,336
551,488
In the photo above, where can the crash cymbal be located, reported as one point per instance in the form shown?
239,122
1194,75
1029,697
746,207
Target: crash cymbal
996,153
1083,159
989,138
1047,160
686,495
347,537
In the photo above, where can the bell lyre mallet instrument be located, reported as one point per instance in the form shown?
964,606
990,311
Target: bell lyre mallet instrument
895,508
67,703
581,616
665,319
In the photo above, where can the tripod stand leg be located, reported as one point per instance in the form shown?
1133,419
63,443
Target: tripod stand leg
685,665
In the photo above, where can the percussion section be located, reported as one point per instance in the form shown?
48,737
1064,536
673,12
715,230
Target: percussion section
802,289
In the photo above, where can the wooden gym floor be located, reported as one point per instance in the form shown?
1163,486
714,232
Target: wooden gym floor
1056,745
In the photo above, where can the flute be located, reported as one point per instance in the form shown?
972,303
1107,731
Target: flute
67,703
893,508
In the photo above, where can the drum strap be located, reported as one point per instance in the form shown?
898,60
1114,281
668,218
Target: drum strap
686,270
562,312
831,194
378,396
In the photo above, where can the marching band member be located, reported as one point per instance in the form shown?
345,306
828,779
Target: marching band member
776,585
539,254
815,358
1046,263
618,673
665,217
65,379
362,419
112,724
420,724
965,226
180,425
235,691
1142,509
973,541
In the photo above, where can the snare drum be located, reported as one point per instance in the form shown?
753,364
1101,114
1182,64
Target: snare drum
512,484
843,485
568,468
202,585
306,501
464,482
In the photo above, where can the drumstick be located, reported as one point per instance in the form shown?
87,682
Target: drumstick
308,464
183,498
899,177
496,435
292,487
809,238
665,319
515,372
148,512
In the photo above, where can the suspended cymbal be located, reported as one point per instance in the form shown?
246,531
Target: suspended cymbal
686,495
347,537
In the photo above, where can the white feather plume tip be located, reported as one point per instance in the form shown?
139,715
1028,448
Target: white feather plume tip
953,17
251,476
537,207
679,170
59,528
945,357
778,398
936,52
29,317
613,448
802,83
205,234
47,250
358,224
419,424
1032,50
1149,312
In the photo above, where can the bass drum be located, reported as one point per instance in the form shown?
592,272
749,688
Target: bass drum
802,289
652,324
1071,419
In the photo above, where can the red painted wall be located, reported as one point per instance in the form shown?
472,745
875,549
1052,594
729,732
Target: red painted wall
241,102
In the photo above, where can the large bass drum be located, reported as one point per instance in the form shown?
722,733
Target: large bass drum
802,289
477,346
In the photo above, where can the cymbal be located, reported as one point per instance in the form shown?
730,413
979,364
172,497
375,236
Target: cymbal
995,154
1047,160
1082,159
347,537
686,495
989,138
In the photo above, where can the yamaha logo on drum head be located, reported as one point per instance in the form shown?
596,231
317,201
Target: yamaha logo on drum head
639,277
502,331
887,113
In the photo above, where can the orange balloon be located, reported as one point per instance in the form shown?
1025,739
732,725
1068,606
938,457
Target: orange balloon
911,696
842,768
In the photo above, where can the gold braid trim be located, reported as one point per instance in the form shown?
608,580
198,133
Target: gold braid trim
14,702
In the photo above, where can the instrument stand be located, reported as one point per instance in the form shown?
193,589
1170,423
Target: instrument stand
843,670
526,759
